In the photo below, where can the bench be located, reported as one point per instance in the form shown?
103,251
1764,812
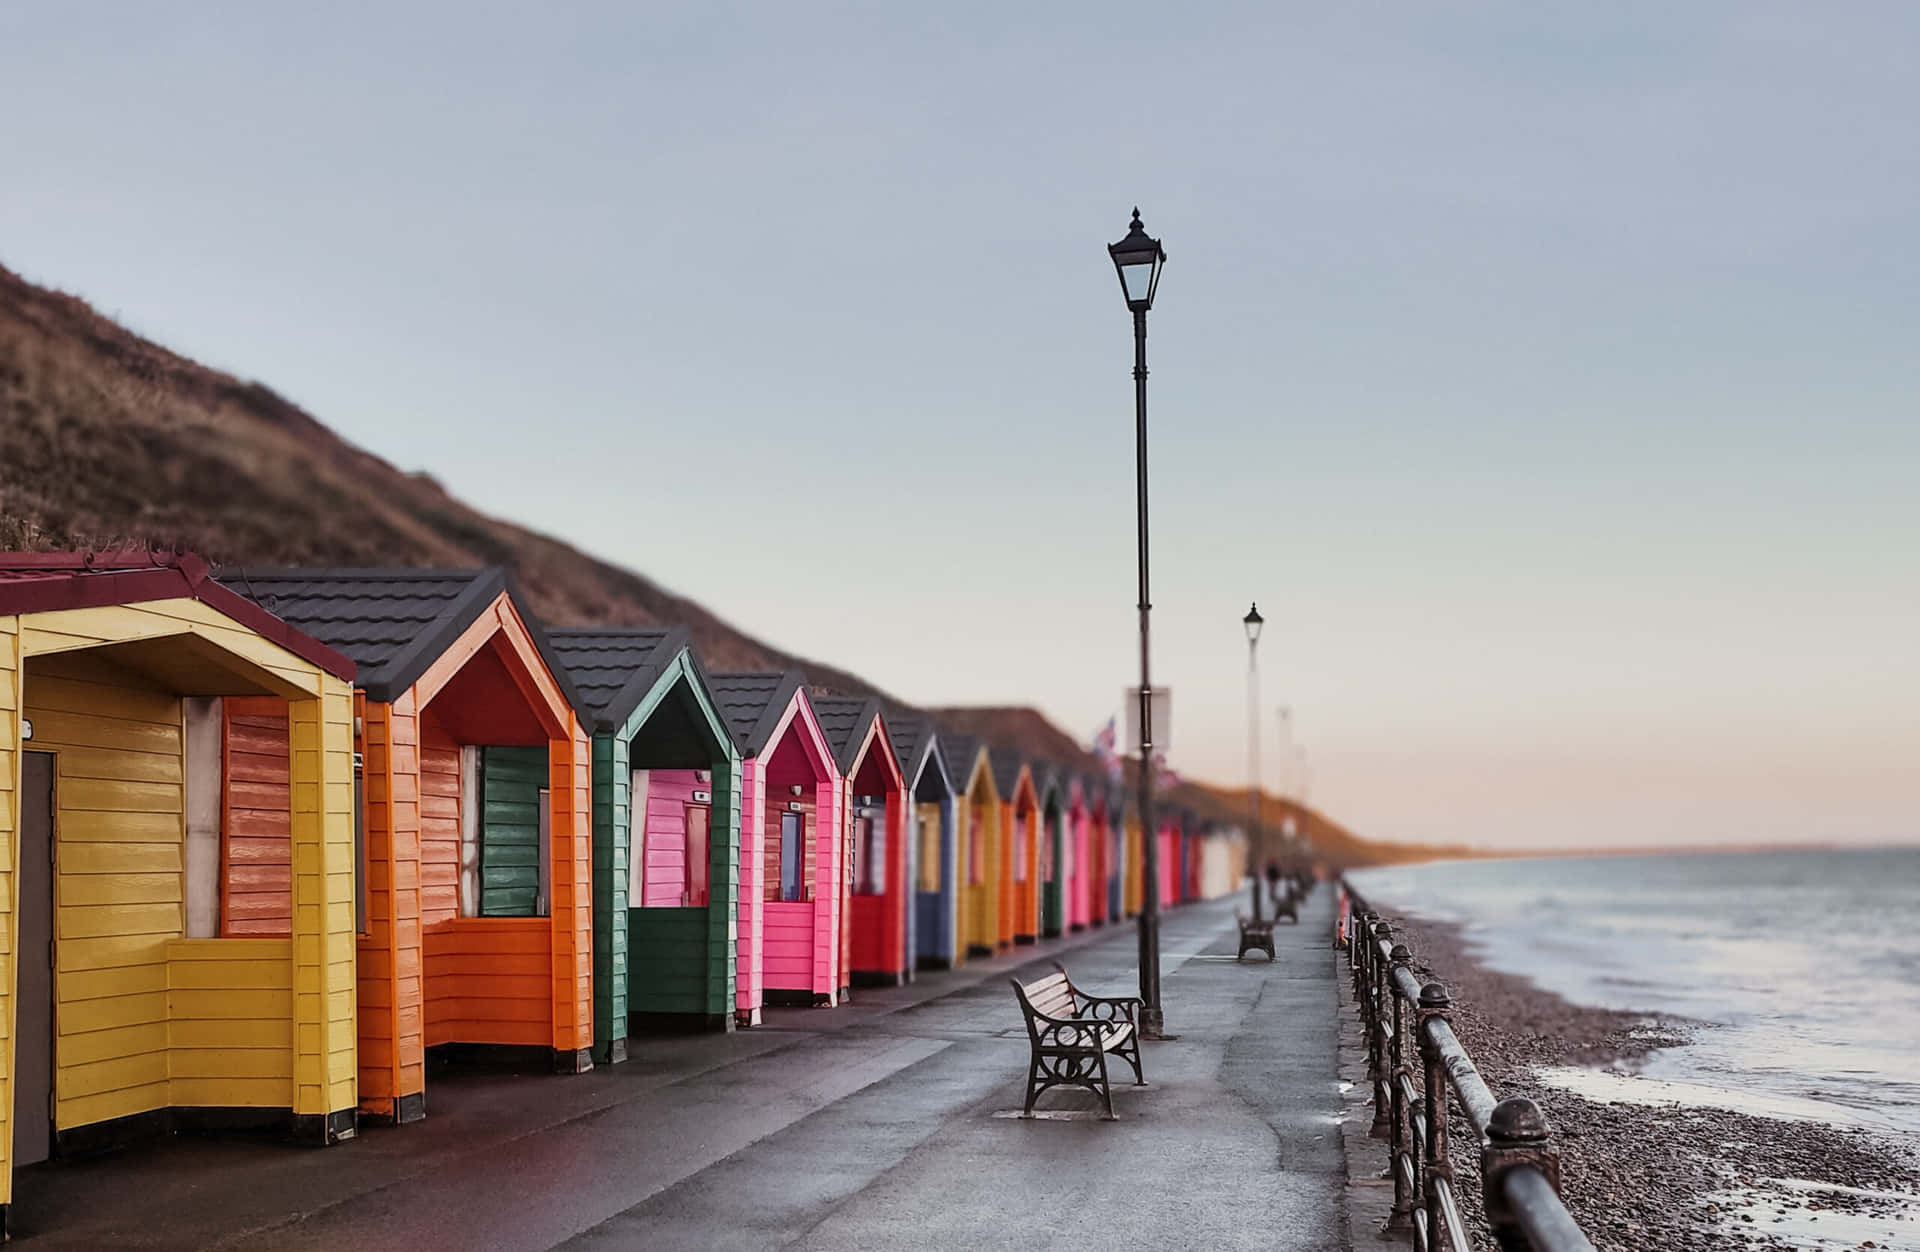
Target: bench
1254,934
1072,1032
1287,905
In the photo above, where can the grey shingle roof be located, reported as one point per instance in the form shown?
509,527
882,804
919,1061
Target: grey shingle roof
845,722
914,744
1006,763
751,704
613,670
961,751
1049,781
393,623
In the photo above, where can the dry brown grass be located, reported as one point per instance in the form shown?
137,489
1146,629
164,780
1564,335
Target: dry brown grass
110,440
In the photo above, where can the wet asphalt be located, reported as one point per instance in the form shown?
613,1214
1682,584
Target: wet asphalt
890,1121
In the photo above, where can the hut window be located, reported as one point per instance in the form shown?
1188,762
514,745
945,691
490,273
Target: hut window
793,832
869,855
515,832
698,851
205,726
930,847
976,849
1020,848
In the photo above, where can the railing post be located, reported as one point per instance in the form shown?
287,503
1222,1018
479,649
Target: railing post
1517,1135
1402,1215
1376,1051
1434,1003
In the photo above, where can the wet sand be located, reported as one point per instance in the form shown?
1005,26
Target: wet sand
1643,1178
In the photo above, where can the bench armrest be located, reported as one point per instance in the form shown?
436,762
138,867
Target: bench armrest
1071,1032
1111,1009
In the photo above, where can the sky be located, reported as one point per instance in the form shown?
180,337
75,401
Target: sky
1546,372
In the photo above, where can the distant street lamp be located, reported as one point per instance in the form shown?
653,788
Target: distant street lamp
1253,622
1137,260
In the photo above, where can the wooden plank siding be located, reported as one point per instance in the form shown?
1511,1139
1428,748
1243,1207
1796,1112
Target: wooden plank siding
10,714
256,862
391,1017
118,800
749,988
613,927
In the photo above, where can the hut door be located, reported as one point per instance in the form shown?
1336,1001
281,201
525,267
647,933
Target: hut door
33,1027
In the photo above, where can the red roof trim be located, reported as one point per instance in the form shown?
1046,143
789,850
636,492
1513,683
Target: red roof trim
48,582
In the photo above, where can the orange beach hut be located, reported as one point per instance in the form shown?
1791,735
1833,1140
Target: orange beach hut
476,820
1020,847
126,1010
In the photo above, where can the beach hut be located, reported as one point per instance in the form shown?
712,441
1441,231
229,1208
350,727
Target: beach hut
1122,826
875,948
1074,877
1050,785
666,833
1097,792
475,815
1019,906
932,820
792,890
126,1011
1170,841
979,844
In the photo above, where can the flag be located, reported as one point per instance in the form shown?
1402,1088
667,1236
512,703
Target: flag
1106,740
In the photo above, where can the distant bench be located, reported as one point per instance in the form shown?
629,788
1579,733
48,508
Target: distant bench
1255,935
1072,1032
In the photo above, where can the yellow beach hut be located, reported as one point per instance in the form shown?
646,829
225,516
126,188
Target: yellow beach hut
125,1012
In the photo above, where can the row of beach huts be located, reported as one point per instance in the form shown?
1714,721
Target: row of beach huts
271,836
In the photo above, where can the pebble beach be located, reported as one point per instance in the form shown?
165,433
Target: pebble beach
1652,1177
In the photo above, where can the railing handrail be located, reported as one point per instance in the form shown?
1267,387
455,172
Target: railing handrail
1519,1166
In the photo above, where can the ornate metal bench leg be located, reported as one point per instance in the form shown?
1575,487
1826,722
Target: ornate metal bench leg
1132,1055
1033,1085
1106,1088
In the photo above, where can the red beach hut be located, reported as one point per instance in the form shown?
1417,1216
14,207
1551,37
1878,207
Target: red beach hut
874,930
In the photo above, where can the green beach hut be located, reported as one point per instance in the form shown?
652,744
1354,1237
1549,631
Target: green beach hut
666,833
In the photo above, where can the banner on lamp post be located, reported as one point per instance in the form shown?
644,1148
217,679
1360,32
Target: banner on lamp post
1162,712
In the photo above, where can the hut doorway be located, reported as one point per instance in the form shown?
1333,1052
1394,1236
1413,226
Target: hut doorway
33,1026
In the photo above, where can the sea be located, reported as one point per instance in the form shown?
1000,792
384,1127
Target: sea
1801,969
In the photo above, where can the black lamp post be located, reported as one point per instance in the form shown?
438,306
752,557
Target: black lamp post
1137,259
1253,622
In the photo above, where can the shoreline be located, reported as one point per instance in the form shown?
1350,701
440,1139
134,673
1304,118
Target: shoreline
1653,1177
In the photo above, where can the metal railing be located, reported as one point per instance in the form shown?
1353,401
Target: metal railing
1519,1166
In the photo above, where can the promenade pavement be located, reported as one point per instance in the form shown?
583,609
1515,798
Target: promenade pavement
892,1121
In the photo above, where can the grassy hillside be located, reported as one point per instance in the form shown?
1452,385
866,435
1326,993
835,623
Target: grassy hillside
109,440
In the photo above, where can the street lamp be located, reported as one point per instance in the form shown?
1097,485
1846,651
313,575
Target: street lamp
1137,260
1253,622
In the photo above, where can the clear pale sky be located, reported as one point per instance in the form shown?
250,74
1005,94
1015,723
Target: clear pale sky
1547,372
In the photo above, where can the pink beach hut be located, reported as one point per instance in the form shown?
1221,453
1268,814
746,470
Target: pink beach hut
1076,872
793,891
